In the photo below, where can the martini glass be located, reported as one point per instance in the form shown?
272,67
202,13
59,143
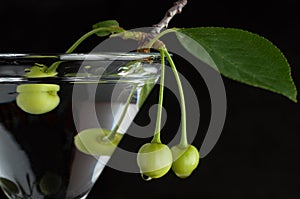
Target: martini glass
39,157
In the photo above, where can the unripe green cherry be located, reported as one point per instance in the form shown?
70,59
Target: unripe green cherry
38,71
8,186
50,184
92,141
37,98
186,160
154,159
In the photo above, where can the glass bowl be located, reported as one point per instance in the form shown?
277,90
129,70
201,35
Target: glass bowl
41,154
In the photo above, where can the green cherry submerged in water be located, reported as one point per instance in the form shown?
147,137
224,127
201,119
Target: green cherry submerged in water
93,141
38,71
37,98
154,159
186,160
50,184
9,186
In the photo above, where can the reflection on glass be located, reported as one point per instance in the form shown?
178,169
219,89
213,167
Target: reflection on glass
38,157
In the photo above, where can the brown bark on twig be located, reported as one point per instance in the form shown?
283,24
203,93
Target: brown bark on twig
157,28
144,38
176,9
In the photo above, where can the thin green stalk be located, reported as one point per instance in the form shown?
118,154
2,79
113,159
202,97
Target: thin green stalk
150,43
156,137
112,134
88,34
183,141
54,66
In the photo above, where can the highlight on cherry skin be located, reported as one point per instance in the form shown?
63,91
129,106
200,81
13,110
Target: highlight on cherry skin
154,160
37,98
185,160
94,141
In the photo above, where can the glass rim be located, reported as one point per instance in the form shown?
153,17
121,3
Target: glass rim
80,72
96,56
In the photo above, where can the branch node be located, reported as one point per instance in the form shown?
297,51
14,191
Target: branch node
164,23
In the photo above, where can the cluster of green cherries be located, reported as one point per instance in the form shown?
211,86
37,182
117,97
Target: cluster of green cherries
154,159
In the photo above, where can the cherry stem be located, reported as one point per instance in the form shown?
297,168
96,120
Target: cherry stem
88,34
112,134
54,66
183,141
156,38
156,137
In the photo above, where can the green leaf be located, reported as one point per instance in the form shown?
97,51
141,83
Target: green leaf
107,23
110,25
242,56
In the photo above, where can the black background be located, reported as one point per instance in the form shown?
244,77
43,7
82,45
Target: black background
257,154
